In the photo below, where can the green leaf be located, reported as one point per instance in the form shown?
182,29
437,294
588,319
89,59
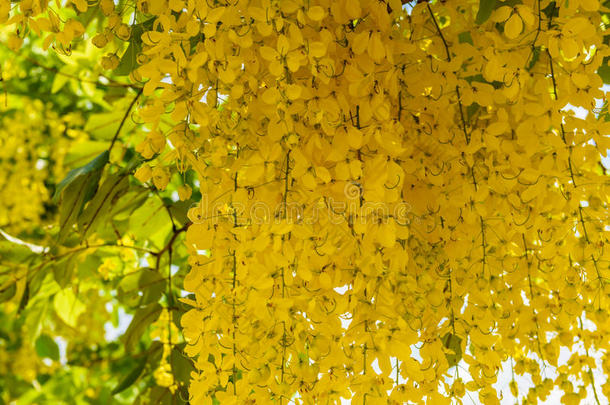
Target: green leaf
35,314
73,201
84,150
14,252
465,37
143,287
182,365
46,347
471,110
134,199
114,94
130,378
58,82
534,57
104,125
68,307
88,266
142,318
160,396
76,189
551,11
129,60
8,292
91,167
150,221
179,210
25,299
454,344
64,269
604,71
486,7
88,88
101,205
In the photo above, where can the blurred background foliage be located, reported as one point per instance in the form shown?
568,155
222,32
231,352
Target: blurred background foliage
88,281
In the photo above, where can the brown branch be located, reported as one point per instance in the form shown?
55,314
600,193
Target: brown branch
438,28
172,240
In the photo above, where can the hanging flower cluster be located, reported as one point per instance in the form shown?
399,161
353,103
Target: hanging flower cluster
390,193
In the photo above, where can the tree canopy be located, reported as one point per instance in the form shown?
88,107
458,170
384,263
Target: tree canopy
304,201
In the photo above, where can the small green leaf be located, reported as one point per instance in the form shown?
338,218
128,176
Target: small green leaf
73,201
471,110
142,287
46,347
63,269
104,125
11,252
8,292
101,204
182,365
604,71
179,210
84,151
91,167
454,345
130,378
551,11
150,221
128,61
465,37
486,7
142,318
534,57
58,82
134,199
76,189
68,307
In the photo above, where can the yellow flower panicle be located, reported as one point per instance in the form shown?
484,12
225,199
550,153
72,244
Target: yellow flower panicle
388,190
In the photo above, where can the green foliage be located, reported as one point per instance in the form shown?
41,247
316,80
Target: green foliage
486,7
129,60
130,378
46,347
604,71
93,274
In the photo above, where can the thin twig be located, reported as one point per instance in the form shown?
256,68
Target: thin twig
457,88
118,131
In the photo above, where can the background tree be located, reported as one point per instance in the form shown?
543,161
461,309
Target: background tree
302,201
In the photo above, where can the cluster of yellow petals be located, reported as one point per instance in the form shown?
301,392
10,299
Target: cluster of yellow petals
388,190
32,138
